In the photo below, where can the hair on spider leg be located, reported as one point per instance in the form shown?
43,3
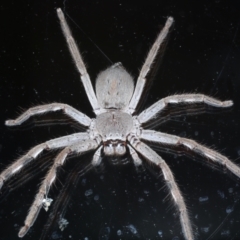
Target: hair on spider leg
114,130
169,204
36,167
171,208
173,112
62,201
178,151
177,162
89,38
31,172
154,72
55,118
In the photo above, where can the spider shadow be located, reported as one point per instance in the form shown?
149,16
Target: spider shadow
183,110
73,174
81,168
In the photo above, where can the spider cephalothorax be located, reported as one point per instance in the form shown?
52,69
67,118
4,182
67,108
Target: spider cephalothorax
115,129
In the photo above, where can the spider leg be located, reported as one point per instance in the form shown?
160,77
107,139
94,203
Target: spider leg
164,138
81,147
52,107
147,65
97,157
157,107
153,157
78,61
34,152
137,161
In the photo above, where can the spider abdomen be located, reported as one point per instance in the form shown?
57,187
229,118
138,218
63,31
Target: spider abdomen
114,87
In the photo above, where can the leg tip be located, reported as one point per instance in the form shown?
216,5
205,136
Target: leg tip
170,20
228,103
23,231
59,13
9,122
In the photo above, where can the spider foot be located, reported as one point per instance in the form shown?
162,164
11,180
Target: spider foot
228,103
10,123
23,231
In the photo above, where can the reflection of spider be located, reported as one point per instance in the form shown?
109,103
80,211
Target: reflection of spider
115,129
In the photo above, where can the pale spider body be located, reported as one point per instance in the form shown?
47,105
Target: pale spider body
115,129
114,89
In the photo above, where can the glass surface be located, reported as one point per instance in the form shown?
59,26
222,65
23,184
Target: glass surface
117,201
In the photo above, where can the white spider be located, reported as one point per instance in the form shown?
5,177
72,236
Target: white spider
115,128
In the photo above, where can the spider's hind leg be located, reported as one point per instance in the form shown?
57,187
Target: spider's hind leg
21,162
42,193
160,105
38,203
214,156
35,151
136,160
153,157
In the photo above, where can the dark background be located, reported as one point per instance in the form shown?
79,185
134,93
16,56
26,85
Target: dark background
202,56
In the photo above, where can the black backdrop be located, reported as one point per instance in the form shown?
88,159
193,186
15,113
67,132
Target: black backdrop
117,202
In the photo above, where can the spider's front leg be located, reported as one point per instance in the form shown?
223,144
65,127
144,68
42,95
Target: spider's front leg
97,157
153,157
163,138
141,81
157,107
68,110
79,147
79,62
